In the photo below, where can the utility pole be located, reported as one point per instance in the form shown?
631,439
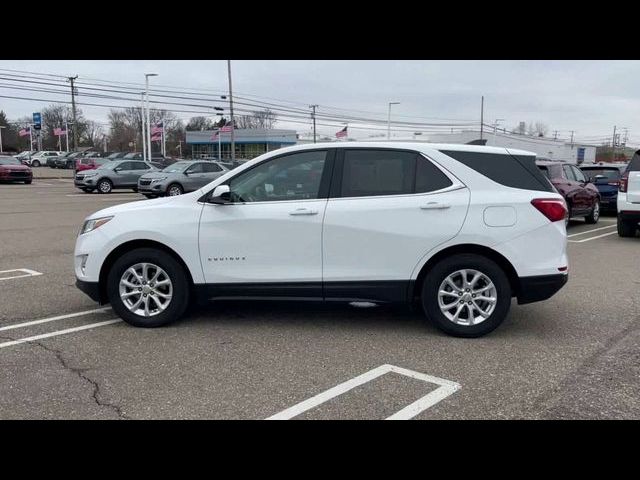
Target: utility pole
1,127
144,128
146,76
233,124
389,120
572,132
481,116
555,134
73,112
313,115
613,145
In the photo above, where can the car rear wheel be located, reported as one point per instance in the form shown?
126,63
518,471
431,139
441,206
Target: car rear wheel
466,295
174,189
148,288
105,186
35,163
626,228
594,216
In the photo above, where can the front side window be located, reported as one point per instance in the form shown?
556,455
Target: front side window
578,174
291,177
196,168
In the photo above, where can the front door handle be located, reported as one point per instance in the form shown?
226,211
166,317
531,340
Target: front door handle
303,211
435,206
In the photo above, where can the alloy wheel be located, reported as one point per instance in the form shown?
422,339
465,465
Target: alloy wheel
467,297
145,289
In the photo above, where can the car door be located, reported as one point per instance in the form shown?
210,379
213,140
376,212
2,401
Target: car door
193,177
268,238
572,189
387,209
587,192
125,175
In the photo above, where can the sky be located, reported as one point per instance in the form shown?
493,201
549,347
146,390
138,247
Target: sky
588,97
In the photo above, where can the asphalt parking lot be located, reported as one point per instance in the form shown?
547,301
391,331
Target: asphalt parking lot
576,356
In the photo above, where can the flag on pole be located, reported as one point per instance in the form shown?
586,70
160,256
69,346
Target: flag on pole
58,132
24,132
156,137
215,135
226,128
158,128
342,133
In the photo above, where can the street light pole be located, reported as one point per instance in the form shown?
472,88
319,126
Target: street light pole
389,119
144,128
147,75
1,127
313,115
233,125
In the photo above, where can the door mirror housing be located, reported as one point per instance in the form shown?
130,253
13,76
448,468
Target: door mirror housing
221,195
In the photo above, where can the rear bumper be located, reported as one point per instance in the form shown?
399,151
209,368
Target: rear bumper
629,215
542,287
92,289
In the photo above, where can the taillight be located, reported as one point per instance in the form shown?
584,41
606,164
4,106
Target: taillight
552,208
624,180
614,184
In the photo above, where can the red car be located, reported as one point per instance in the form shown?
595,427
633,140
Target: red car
12,170
582,196
89,163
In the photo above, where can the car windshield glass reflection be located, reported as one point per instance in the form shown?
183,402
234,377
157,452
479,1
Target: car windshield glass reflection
177,167
9,161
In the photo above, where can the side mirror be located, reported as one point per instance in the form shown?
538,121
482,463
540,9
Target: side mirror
221,195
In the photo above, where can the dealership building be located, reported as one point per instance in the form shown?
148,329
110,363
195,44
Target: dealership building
249,142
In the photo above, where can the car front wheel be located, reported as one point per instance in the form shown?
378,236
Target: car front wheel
466,295
148,288
174,190
105,186
594,216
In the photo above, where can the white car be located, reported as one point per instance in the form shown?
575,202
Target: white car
629,198
41,158
459,228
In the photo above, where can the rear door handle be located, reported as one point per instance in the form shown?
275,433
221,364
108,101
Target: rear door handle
303,211
435,206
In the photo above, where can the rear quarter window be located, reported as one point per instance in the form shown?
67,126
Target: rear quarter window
509,170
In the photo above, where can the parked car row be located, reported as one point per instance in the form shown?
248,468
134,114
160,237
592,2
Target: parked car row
149,178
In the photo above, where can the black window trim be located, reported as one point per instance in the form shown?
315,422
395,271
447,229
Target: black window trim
325,181
336,182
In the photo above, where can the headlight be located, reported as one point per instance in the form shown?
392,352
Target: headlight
90,225
156,180
90,175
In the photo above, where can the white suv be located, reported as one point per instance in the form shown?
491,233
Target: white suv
42,157
462,229
629,198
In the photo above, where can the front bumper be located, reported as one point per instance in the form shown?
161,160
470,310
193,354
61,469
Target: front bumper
540,287
92,289
157,188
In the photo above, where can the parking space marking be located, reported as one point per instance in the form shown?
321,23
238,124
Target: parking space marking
592,238
589,231
446,388
116,195
53,319
26,271
59,332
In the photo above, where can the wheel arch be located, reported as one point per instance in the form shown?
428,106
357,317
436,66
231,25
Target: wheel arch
415,286
131,245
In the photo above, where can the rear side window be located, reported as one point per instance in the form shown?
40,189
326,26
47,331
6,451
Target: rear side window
608,173
516,171
369,173
634,164
210,167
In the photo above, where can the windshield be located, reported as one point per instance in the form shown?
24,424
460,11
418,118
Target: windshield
177,167
132,155
108,166
9,161
113,155
607,173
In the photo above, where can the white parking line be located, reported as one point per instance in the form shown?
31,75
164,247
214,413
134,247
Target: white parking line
27,273
53,319
97,194
446,388
59,332
592,238
589,231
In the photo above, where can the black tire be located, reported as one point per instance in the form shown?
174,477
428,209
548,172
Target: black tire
148,195
35,163
626,228
176,273
447,266
594,216
174,187
87,190
104,185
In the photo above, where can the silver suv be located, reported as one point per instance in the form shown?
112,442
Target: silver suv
179,178
114,174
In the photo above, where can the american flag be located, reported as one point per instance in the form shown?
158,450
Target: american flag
226,128
24,132
58,132
215,135
156,137
157,129
342,133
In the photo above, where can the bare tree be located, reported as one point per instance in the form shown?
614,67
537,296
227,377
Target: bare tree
541,129
257,119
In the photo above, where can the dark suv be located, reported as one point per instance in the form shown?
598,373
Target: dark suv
606,178
582,197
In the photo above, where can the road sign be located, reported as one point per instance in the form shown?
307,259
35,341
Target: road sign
37,120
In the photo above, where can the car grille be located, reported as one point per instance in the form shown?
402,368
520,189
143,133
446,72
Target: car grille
79,177
145,182
19,174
